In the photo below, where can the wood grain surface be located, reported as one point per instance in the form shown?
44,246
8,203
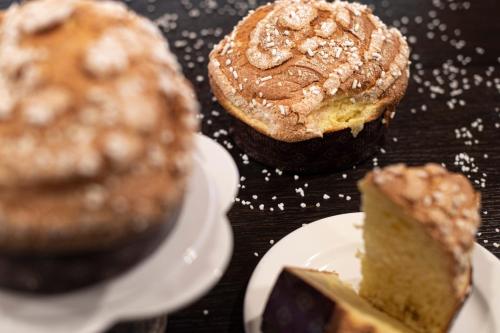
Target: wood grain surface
450,115
426,134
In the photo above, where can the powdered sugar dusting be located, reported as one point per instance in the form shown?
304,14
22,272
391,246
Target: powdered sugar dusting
107,56
45,106
45,14
121,148
297,16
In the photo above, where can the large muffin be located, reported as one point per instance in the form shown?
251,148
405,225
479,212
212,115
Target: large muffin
96,126
311,85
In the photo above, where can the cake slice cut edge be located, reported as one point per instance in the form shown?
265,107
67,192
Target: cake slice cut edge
305,300
419,232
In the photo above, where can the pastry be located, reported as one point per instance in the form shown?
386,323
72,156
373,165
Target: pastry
96,125
305,300
310,85
418,233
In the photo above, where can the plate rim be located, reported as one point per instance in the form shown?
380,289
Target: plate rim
221,226
114,316
225,231
204,142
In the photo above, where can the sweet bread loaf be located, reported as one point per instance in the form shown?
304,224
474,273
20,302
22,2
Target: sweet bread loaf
96,125
310,84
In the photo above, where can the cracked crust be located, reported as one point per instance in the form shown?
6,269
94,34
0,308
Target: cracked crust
96,130
286,62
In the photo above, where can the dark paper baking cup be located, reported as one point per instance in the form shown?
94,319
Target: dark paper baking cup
52,274
335,151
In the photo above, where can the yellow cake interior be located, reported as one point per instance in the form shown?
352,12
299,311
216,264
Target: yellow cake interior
362,315
342,113
405,273
333,116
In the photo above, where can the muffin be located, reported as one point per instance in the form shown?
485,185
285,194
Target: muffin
419,233
306,300
310,85
96,125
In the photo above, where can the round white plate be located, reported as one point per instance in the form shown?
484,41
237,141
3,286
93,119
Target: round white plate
332,243
189,262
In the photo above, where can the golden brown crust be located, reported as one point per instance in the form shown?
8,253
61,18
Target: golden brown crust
95,124
444,203
289,59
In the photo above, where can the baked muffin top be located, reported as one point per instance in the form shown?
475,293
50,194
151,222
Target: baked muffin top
444,203
290,64
96,124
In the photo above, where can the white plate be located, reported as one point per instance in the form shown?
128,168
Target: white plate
188,264
331,244
221,166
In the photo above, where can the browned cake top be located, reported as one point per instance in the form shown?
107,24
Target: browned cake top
95,122
290,58
445,203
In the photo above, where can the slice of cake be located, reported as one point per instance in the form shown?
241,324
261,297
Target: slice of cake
308,301
419,233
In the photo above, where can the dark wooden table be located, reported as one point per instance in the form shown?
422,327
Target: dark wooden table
426,134
450,115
